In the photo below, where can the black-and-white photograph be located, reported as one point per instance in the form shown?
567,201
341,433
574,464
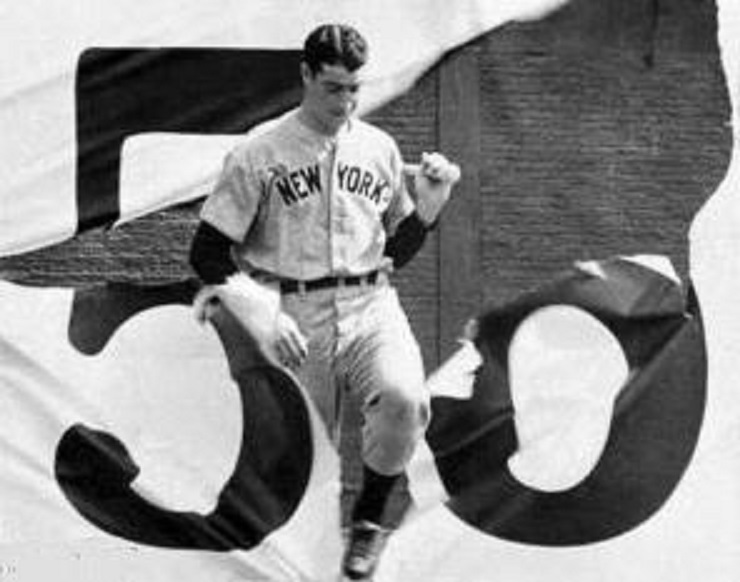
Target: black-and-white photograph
392,291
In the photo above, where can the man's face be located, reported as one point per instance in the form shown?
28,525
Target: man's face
330,95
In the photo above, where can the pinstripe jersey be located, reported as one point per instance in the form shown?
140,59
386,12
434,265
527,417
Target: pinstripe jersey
302,205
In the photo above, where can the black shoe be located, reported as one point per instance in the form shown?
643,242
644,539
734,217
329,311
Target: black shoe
364,546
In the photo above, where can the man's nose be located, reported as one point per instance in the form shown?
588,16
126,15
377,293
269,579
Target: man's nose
348,100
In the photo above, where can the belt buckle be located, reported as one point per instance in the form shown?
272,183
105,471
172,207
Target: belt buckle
369,279
301,287
341,283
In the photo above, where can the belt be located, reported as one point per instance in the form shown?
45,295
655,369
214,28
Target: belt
295,286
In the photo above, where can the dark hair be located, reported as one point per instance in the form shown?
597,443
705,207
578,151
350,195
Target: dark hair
334,44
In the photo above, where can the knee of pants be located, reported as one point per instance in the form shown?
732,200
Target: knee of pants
407,410
399,413
394,424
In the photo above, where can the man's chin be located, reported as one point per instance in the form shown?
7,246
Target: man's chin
337,122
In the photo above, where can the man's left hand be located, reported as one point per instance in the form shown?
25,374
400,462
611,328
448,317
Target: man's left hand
433,181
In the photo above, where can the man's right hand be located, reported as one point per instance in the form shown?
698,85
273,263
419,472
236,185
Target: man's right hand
290,345
257,308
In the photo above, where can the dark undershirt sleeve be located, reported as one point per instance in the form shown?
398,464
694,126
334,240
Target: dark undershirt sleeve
210,255
407,240
210,251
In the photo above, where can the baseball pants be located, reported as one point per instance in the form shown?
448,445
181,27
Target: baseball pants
360,341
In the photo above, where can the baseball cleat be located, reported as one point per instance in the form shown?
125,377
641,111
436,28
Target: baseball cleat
364,546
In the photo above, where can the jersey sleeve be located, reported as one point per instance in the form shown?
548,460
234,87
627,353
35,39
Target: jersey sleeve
401,205
234,202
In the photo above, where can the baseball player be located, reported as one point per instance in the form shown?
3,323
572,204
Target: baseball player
308,218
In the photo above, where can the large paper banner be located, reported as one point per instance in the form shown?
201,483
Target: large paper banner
578,438
580,434
139,437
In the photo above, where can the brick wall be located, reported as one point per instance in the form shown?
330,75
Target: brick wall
604,130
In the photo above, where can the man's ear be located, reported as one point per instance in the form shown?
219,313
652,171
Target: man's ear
306,73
